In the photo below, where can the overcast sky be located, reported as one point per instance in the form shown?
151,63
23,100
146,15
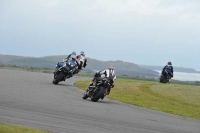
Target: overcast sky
150,32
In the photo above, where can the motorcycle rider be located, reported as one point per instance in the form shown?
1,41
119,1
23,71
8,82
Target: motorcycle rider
168,70
71,56
74,58
108,73
82,61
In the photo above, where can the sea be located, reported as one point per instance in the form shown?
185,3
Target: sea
185,76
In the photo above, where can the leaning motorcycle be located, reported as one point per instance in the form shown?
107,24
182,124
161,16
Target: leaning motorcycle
64,70
164,78
98,90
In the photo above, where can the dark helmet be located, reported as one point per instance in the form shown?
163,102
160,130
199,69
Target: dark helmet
169,63
74,53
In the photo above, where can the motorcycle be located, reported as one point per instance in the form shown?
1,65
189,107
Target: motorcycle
164,78
99,89
64,70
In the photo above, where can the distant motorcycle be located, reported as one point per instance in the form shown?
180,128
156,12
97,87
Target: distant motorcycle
98,90
64,70
164,78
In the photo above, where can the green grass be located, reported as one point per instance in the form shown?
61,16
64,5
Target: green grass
183,100
9,128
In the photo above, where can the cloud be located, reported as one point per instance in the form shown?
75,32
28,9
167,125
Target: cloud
142,26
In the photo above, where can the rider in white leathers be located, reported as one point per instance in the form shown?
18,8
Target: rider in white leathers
82,61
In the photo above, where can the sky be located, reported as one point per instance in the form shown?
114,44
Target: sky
148,32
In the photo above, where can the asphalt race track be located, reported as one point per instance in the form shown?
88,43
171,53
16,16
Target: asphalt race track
30,99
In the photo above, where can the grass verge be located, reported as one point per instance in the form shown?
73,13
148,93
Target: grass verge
9,128
183,100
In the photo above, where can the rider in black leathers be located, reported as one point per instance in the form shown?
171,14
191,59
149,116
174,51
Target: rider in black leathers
168,71
108,73
82,62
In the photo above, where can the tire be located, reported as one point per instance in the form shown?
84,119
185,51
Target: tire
85,96
162,79
99,95
58,78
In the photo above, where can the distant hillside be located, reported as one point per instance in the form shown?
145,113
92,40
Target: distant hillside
9,58
176,69
26,61
121,68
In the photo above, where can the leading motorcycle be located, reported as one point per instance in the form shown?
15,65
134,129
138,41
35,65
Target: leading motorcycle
64,70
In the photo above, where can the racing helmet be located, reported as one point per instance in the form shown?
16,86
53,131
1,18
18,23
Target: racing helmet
82,53
110,72
110,68
169,63
74,52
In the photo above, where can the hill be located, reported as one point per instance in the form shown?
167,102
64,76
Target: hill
121,68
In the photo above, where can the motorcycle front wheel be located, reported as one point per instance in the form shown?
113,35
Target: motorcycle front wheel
98,95
58,77
162,79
